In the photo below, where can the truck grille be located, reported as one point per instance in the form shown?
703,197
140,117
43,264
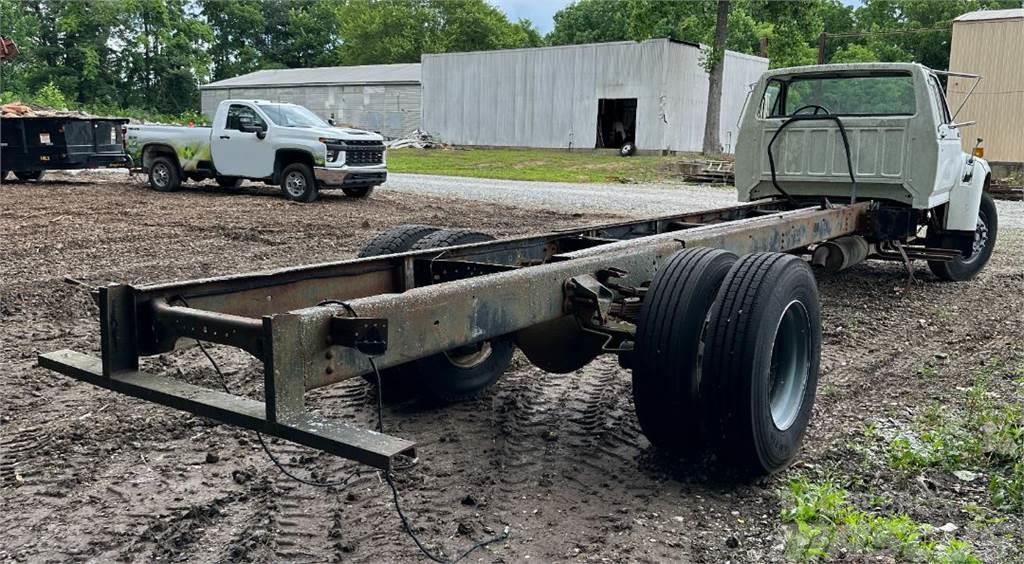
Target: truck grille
364,153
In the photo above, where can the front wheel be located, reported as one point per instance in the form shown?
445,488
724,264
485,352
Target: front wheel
964,268
357,191
298,183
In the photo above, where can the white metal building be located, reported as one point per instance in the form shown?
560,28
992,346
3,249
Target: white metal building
384,98
582,96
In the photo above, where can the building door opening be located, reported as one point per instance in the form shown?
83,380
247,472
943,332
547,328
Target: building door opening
616,122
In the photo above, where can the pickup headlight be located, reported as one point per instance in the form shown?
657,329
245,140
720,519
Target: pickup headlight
329,141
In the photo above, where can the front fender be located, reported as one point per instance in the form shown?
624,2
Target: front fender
965,198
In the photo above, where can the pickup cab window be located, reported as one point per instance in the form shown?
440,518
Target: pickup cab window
287,115
235,114
849,95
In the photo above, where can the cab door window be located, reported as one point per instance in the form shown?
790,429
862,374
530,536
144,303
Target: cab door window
235,114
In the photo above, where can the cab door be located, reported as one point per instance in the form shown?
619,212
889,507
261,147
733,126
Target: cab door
950,154
242,153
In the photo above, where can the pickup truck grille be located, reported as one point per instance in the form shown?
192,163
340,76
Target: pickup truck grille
361,152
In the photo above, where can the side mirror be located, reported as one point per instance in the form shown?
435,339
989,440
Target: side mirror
246,125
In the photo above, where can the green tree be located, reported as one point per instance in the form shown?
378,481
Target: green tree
237,27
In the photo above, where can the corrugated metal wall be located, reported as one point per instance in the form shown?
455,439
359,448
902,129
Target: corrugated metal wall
995,50
548,97
392,109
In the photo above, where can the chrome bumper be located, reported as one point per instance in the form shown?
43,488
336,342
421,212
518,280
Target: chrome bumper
350,176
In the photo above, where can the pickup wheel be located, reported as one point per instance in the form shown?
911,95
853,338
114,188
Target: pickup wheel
666,365
298,183
398,382
964,268
164,175
228,181
29,175
357,191
759,370
466,372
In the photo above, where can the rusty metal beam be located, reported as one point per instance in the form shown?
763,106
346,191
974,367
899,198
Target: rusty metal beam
368,447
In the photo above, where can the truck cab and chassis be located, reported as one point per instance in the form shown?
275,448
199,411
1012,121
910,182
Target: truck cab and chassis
716,313
276,143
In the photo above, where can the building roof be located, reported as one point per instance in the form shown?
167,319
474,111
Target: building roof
579,46
406,73
984,15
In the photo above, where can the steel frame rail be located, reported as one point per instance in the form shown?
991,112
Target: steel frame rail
315,325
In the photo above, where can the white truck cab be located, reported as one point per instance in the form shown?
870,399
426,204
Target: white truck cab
876,131
277,143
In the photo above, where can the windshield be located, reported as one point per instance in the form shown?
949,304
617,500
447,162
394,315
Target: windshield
287,115
886,95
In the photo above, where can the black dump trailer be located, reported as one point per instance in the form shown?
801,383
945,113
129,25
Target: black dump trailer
30,145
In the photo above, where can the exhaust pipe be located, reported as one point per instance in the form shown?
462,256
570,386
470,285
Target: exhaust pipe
842,253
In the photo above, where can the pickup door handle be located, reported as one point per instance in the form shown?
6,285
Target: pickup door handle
225,137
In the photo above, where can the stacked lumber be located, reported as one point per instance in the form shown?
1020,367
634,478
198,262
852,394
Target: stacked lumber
713,172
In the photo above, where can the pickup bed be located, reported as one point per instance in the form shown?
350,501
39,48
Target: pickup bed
282,144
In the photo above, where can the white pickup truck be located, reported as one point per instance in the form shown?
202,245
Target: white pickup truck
276,143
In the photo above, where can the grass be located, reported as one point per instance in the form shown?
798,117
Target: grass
825,525
985,436
549,165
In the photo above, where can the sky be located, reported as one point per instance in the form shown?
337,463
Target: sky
542,12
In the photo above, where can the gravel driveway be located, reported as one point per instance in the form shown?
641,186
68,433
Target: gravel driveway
631,199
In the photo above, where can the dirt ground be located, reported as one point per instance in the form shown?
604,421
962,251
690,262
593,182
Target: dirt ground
88,475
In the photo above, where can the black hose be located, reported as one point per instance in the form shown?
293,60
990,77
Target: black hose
846,146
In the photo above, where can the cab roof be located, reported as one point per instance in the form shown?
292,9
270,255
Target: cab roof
841,70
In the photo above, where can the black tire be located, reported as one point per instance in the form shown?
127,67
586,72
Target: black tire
395,240
228,181
964,268
467,372
298,183
398,382
357,191
666,370
759,372
29,175
627,150
164,175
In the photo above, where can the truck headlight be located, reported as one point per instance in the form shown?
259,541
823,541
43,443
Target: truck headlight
332,155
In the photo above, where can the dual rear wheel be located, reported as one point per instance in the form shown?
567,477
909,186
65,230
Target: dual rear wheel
459,374
727,357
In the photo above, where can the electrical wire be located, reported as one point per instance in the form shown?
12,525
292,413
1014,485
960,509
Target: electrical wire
388,478
846,146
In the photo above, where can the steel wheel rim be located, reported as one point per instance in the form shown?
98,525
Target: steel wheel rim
161,175
980,240
469,356
295,183
790,365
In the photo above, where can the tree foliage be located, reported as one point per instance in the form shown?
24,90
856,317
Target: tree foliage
154,54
